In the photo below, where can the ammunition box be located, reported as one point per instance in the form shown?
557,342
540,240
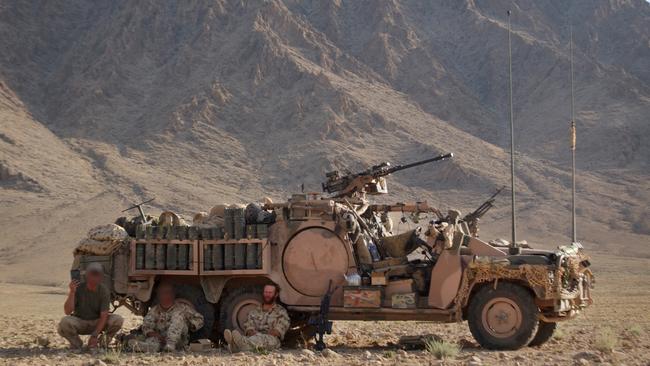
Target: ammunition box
217,257
190,255
239,222
262,230
229,256
207,257
161,253
251,231
362,296
240,256
251,255
205,234
217,233
181,232
172,250
150,256
193,233
404,301
139,256
183,257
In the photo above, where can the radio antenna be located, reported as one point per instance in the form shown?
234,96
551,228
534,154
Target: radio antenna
513,243
573,143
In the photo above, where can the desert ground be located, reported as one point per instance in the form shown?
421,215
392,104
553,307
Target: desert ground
615,330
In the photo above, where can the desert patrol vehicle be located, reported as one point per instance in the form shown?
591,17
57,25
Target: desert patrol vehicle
335,256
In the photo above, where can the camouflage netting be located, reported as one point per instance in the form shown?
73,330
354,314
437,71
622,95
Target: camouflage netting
102,240
480,272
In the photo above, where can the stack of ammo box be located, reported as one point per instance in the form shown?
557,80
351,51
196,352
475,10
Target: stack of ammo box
235,246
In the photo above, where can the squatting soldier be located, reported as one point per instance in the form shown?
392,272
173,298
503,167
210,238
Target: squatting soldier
265,326
167,325
86,310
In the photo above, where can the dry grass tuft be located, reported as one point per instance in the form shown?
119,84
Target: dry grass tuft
635,330
441,349
606,340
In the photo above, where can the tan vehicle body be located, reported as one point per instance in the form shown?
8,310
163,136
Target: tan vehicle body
442,273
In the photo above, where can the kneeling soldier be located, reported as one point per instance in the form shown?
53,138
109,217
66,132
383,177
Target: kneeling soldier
265,326
167,325
86,310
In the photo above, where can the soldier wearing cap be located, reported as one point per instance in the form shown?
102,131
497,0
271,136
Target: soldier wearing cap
265,326
86,310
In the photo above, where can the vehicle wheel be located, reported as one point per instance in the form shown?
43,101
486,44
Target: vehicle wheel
235,307
503,319
544,333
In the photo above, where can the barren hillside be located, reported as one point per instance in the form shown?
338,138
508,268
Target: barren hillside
195,103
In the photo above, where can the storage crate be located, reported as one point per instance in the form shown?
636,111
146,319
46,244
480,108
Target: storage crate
362,296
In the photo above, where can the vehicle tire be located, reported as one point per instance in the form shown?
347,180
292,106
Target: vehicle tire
544,333
502,319
235,307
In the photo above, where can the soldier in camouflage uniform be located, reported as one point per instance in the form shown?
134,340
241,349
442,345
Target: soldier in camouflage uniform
264,328
167,325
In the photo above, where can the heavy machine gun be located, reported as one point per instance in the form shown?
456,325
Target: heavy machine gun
473,217
370,181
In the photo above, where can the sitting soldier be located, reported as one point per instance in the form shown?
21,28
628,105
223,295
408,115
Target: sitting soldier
167,325
86,310
265,326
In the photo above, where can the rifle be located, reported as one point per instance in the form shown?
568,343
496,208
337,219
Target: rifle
472,217
361,182
321,321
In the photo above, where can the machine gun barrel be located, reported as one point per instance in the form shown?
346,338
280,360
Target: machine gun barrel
397,168
483,208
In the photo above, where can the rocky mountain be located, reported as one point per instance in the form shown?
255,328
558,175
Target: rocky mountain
201,102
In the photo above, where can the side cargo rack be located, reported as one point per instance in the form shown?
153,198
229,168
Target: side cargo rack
199,251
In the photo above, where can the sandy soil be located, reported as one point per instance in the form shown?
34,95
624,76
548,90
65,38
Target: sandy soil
620,315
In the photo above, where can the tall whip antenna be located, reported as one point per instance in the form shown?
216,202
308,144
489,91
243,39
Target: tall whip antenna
513,243
573,144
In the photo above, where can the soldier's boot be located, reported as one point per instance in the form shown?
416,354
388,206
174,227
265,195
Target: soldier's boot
241,342
227,336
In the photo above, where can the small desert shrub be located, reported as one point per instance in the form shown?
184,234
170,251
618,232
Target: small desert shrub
635,330
441,349
389,354
605,340
261,351
559,334
111,356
